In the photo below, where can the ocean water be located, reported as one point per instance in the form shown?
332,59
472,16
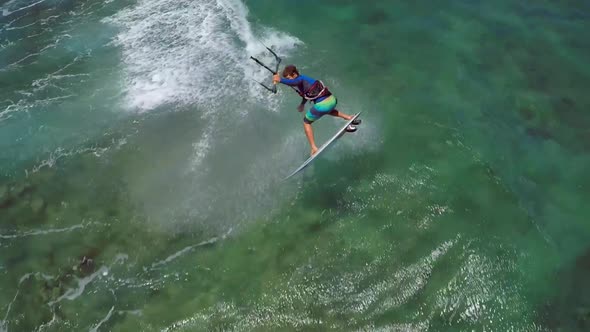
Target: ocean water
141,167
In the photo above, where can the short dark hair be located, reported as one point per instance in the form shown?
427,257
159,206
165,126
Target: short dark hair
290,70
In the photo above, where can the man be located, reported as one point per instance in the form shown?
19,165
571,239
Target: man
313,90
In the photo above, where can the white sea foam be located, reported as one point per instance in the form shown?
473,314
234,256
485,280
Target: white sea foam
12,7
201,148
191,53
104,320
196,55
74,293
189,248
42,232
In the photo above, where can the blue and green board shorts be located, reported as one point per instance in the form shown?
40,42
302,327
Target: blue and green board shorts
320,109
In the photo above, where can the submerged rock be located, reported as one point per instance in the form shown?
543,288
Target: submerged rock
526,113
3,192
4,197
583,315
376,17
539,133
87,265
567,102
584,139
17,189
569,308
37,204
566,111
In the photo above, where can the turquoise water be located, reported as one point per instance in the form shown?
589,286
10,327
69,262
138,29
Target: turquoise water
140,167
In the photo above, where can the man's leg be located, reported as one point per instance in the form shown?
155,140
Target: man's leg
344,116
339,114
309,135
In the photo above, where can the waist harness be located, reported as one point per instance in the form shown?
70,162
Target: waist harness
315,91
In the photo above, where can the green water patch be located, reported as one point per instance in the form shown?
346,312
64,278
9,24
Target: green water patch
466,212
65,230
56,97
357,254
400,246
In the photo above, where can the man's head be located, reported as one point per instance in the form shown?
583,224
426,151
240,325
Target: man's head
290,72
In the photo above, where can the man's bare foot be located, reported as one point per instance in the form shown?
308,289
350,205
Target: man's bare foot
314,150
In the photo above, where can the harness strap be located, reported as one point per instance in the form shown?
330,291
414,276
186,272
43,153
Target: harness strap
322,92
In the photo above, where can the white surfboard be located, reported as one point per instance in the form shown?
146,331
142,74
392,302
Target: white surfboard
336,136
